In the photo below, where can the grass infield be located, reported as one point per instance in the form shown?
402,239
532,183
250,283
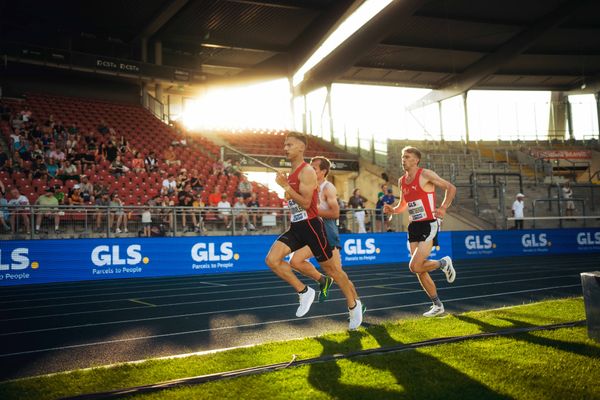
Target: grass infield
559,364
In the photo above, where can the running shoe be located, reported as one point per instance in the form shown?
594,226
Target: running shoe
356,316
306,300
434,311
448,270
324,288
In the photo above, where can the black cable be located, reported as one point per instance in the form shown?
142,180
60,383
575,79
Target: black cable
196,380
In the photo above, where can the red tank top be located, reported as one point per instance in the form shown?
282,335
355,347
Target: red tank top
421,204
297,212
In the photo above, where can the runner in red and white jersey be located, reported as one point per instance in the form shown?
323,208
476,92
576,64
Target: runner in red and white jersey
418,196
307,229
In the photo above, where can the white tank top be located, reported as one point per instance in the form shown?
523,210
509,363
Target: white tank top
322,202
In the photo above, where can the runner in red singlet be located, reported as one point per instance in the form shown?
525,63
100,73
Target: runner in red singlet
418,196
307,229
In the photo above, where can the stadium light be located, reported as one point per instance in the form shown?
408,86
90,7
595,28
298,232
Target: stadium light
356,20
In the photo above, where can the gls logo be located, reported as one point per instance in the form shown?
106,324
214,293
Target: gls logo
476,242
535,240
586,238
111,255
19,259
206,252
355,246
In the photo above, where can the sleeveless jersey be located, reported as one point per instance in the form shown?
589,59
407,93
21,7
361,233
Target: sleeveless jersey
297,212
421,204
322,202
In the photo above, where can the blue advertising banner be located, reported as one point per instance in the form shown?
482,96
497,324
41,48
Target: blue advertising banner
45,261
489,244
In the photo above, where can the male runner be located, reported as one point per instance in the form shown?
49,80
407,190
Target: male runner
306,229
418,195
329,211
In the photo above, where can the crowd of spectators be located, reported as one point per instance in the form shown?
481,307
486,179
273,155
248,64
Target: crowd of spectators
55,154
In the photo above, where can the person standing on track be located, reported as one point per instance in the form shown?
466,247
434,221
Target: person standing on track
329,211
418,195
307,229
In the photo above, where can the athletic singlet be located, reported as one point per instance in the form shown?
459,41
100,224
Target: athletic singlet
322,202
297,212
421,204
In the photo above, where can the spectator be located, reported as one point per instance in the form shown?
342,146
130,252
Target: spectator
245,188
101,201
166,215
518,211
56,154
117,168
45,202
87,189
51,168
236,169
197,213
217,167
253,208
150,162
240,212
215,197
170,157
224,208
567,194
59,194
147,222
5,164
38,169
75,198
357,202
169,185
68,171
196,181
111,152
4,213
88,159
390,199
137,164
72,144
182,179
116,205
18,204
185,200
227,166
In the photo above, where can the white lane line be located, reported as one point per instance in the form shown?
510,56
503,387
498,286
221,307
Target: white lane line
411,280
271,322
143,291
213,284
142,302
234,310
190,281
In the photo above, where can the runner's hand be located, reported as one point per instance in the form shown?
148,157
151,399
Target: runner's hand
281,179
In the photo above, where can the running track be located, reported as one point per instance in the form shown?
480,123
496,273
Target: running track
59,327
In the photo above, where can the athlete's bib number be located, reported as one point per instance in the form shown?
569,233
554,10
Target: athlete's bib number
298,213
416,210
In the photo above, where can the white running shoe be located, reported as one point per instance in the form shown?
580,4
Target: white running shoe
118,230
356,316
434,311
306,300
449,270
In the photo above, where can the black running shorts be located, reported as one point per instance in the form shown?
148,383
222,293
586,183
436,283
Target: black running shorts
424,231
311,233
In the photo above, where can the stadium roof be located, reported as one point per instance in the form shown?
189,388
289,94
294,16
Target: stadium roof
448,45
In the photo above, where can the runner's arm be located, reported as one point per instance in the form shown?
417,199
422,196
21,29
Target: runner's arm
330,194
450,191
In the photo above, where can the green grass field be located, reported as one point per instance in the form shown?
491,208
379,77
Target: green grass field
558,364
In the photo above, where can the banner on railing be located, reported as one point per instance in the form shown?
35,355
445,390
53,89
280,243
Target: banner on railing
45,261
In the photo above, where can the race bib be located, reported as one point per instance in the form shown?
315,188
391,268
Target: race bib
297,213
416,210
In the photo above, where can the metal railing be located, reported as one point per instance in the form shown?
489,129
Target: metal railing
63,222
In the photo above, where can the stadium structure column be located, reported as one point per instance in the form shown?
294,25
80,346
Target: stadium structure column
466,114
158,92
597,97
557,126
144,49
439,103
569,117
